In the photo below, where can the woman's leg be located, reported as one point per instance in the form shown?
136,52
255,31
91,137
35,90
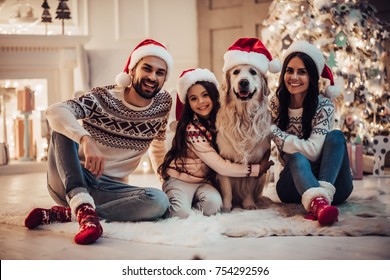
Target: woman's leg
335,167
208,200
297,183
296,178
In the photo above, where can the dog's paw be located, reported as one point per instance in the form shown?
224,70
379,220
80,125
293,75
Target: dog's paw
249,207
226,209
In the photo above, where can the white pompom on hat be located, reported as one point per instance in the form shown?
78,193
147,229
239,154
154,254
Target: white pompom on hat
147,47
316,55
191,76
250,51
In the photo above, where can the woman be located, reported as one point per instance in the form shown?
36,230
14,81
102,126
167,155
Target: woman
316,165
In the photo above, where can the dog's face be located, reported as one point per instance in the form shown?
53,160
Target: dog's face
245,81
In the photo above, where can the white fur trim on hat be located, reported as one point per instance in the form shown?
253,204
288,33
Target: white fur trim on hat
250,51
147,47
235,57
190,77
151,50
79,199
316,55
309,49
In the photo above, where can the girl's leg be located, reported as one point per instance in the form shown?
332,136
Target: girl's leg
335,168
208,200
180,196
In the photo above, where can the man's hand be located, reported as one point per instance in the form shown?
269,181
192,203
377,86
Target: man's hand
94,159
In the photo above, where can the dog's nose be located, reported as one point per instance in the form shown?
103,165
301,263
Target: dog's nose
244,83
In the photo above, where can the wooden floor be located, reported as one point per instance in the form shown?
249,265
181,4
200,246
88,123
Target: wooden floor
18,243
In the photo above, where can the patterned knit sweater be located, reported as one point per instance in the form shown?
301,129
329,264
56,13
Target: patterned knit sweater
122,132
290,141
202,156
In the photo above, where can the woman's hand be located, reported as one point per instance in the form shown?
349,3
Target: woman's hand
265,163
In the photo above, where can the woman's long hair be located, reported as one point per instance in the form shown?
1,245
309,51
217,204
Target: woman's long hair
179,150
310,101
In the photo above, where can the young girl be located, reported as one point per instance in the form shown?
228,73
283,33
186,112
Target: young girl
316,166
189,166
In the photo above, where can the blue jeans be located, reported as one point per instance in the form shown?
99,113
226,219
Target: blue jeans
115,201
300,174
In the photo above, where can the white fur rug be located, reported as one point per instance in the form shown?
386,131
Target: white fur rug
368,215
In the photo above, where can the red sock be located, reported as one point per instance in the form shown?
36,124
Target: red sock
90,229
40,216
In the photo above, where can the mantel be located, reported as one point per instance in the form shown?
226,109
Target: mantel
41,41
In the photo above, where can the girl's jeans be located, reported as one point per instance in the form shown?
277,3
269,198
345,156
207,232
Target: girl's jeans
115,201
300,174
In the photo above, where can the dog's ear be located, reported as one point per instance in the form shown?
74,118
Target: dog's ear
264,86
225,87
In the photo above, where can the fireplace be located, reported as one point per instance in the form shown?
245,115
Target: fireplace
53,68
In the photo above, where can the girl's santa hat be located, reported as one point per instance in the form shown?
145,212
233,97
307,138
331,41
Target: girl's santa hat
187,79
315,54
250,51
191,76
147,47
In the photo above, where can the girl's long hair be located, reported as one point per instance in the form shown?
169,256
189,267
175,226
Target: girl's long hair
310,102
179,150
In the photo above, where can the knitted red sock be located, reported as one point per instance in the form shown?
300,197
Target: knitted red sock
90,229
40,216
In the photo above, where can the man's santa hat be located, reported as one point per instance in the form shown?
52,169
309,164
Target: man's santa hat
250,51
315,54
147,47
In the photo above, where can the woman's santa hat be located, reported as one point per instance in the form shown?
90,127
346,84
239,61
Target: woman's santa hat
190,77
250,51
147,47
315,54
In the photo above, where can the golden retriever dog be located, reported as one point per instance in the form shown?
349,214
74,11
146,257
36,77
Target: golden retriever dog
243,123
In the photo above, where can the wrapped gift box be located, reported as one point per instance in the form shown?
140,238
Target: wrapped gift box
26,100
19,138
355,153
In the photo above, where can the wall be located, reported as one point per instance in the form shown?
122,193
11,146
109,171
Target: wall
116,26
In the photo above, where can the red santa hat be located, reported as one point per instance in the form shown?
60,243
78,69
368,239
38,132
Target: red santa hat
147,47
250,51
316,55
189,77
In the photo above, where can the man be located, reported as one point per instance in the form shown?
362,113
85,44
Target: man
89,163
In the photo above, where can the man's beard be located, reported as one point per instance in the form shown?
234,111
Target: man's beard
145,94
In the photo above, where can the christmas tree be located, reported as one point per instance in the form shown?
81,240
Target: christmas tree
352,40
46,16
63,13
